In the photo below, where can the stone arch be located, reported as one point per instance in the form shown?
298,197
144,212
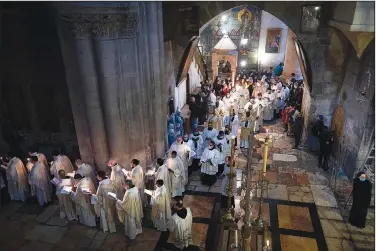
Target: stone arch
232,59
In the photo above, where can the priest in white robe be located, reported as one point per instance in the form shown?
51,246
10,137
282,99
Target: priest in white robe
138,178
228,137
258,112
181,225
117,178
41,157
243,98
268,109
104,206
184,152
164,174
209,133
81,195
86,170
130,212
18,185
61,162
221,142
161,207
66,204
209,164
40,181
178,178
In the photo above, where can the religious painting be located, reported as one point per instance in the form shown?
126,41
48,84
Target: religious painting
310,19
273,40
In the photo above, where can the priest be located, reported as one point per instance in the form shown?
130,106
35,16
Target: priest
181,225
247,124
40,181
66,204
81,195
117,178
129,210
161,207
175,165
138,178
184,152
41,157
221,142
209,164
197,147
61,162
224,186
104,206
165,175
18,187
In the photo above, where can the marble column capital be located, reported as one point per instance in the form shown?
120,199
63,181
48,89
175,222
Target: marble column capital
101,25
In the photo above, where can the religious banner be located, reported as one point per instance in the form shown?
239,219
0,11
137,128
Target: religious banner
273,40
189,22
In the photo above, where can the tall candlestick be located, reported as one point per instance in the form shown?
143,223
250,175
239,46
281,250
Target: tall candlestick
236,238
265,155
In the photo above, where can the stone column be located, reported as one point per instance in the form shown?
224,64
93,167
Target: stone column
120,55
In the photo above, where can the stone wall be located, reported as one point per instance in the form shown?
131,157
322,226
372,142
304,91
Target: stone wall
358,109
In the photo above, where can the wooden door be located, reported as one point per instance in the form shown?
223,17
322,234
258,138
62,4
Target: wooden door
337,122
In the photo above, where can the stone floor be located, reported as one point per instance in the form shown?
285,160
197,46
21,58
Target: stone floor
300,210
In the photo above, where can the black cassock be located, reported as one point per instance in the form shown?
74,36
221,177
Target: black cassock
362,192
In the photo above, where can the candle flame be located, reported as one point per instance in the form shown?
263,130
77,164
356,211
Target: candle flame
267,243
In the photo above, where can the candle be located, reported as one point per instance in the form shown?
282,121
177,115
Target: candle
236,238
267,243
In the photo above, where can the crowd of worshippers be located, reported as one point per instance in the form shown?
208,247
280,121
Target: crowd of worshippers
91,196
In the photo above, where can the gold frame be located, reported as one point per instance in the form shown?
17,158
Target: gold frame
268,33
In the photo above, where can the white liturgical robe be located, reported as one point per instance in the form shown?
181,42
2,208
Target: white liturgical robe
18,187
40,183
208,135
138,177
84,208
41,158
62,162
197,145
66,204
209,161
163,174
181,230
105,207
118,180
221,145
178,177
130,212
185,153
161,208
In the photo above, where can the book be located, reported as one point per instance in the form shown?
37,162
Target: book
66,182
94,199
126,173
55,181
66,190
71,174
112,195
149,192
150,173
86,191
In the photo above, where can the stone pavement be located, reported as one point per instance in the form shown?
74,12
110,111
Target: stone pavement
300,208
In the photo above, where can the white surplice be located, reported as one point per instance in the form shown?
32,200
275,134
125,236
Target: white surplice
138,179
105,207
163,174
256,107
178,177
87,170
161,208
84,208
41,158
209,161
40,183
118,178
235,125
181,230
197,145
130,212
221,145
268,110
62,162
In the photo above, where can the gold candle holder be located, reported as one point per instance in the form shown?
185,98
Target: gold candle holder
231,176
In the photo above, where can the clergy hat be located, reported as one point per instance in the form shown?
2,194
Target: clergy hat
221,133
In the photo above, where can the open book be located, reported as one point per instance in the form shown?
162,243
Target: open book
55,181
66,190
149,192
112,195
86,190
71,174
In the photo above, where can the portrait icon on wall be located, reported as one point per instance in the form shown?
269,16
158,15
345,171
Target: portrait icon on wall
273,40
